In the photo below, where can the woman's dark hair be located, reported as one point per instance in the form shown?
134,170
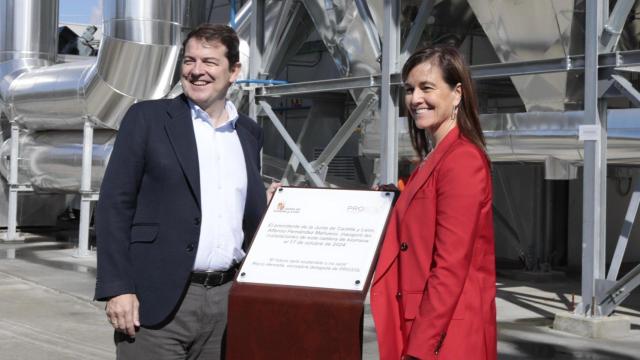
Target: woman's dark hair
218,32
454,71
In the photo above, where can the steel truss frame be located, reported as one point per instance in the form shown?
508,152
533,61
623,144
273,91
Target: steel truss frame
601,37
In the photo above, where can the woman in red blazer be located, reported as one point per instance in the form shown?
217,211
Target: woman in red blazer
433,295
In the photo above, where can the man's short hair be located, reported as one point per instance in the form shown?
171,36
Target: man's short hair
221,33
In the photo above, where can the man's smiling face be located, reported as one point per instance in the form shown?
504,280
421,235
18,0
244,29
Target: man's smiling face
206,72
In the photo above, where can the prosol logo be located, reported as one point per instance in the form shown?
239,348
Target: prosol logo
355,209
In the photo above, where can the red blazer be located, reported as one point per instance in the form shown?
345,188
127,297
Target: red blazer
433,294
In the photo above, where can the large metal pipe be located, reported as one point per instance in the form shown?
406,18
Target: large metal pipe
52,160
137,59
28,39
533,137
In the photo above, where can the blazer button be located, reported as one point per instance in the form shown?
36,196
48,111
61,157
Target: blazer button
404,246
190,247
398,295
196,221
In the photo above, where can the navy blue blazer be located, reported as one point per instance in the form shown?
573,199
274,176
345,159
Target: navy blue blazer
148,215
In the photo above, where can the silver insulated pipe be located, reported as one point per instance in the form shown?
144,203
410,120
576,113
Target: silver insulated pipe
52,160
537,136
28,40
137,59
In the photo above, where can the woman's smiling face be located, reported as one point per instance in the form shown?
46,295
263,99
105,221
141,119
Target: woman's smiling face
430,100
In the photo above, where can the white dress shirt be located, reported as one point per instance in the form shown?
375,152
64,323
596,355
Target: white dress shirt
223,190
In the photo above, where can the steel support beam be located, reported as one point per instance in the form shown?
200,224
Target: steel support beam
257,38
478,72
86,194
256,51
389,94
610,292
12,215
282,34
605,61
593,213
290,171
417,28
613,28
315,179
331,85
629,220
345,131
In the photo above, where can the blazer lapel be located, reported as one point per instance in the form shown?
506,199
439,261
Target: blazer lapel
422,175
179,128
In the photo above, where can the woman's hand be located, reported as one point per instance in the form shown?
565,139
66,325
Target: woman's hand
385,187
388,187
272,190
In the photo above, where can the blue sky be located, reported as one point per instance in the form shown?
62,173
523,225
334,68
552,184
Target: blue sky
81,11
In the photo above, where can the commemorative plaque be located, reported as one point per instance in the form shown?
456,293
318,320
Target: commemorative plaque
324,238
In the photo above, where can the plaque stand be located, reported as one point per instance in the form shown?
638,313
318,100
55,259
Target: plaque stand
284,322
283,312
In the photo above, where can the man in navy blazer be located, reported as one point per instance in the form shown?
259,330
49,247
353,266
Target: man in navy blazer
181,198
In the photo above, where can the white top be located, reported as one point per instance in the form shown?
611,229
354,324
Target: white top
223,190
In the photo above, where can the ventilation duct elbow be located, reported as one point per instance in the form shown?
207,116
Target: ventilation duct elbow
137,61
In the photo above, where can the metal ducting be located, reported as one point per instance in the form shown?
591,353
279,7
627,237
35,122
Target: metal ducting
51,161
28,40
137,60
351,32
142,41
531,30
534,137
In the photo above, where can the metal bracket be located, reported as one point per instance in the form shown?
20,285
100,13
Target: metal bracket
21,187
89,196
619,291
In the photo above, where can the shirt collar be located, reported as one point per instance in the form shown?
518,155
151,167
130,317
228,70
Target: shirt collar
198,113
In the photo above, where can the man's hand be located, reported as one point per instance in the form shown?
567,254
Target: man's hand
272,190
122,312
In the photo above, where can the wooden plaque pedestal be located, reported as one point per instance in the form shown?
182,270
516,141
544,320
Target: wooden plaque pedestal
283,322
